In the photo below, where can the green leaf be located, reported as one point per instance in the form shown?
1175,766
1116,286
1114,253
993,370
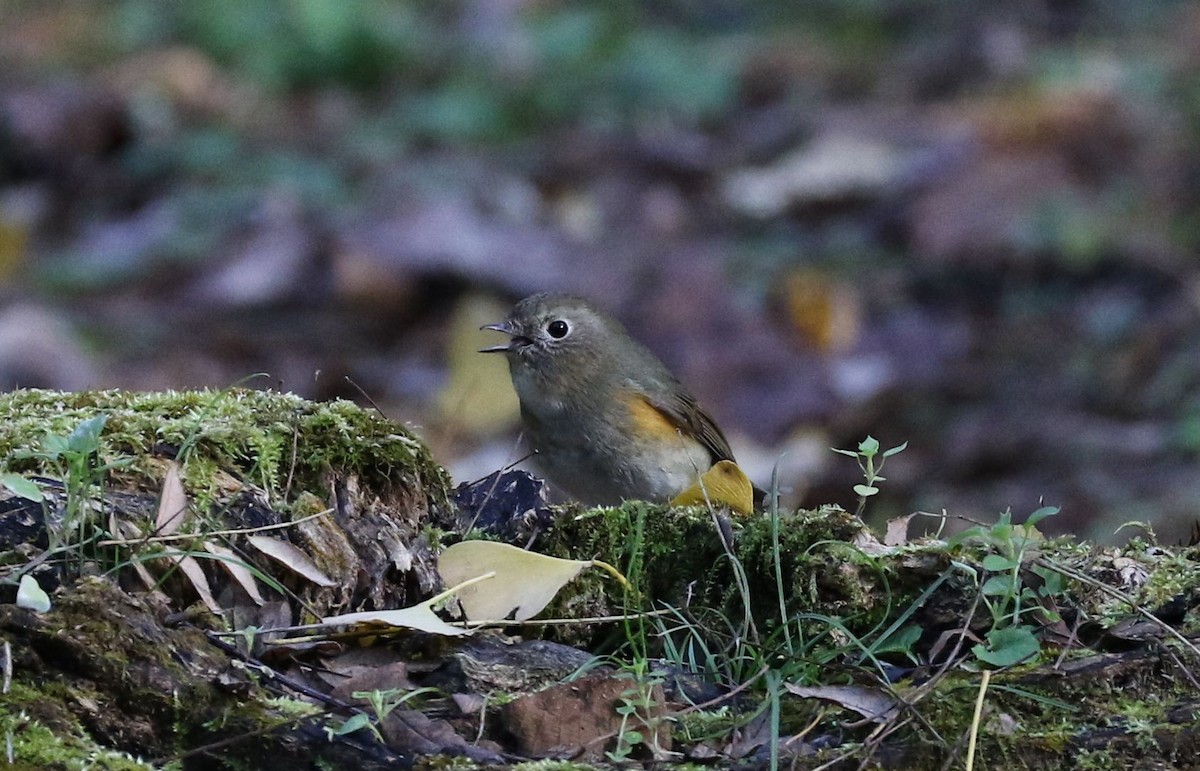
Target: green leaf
869,446
1007,646
969,570
850,453
865,490
897,449
1002,534
19,485
998,563
54,445
1040,514
1053,581
998,586
354,723
901,641
85,439
970,534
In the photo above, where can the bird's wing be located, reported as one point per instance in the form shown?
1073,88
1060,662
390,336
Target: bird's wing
680,409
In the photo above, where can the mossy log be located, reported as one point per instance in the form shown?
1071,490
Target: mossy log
113,671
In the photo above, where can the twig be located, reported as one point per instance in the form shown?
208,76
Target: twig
983,685
268,673
467,625
192,536
1118,594
725,696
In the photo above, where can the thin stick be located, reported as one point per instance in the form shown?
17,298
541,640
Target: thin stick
192,536
466,625
1111,592
983,685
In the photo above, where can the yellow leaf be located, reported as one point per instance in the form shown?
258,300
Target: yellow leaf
420,617
725,484
525,581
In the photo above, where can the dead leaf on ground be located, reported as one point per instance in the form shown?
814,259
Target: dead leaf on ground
291,557
411,730
873,704
236,567
897,530
172,512
195,575
420,617
122,529
525,582
386,677
172,504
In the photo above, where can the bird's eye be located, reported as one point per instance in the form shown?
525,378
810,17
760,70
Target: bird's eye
558,329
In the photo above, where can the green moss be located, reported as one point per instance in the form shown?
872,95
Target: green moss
277,442
47,738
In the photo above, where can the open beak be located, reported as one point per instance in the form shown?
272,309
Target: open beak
516,341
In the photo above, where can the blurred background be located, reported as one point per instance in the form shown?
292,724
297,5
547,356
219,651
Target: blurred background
971,227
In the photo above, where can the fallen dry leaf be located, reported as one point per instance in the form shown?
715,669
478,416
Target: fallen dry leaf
420,617
172,504
290,557
237,569
195,575
873,704
525,581
897,530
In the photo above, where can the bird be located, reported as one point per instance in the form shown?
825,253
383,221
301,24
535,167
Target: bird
606,419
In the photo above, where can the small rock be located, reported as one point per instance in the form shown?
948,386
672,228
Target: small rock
579,719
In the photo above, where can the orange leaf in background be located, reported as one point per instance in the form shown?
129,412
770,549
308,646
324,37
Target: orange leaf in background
824,311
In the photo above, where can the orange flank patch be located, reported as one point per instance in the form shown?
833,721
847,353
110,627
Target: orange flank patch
648,421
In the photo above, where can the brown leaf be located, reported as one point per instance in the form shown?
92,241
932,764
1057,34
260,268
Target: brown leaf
236,567
195,575
390,676
291,557
173,504
127,530
897,530
410,730
873,704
